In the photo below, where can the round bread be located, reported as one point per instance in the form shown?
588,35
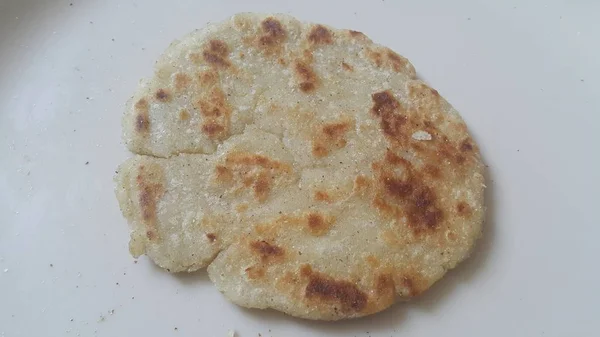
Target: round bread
306,166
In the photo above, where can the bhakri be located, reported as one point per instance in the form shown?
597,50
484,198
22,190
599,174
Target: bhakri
307,167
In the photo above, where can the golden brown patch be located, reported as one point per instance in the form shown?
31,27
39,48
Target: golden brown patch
397,62
322,196
402,192
347,67
182,81
255,272
385,286
413,283
243,171
274,33
184,115
386,58
322,288
357,34
463,209
241,208
330,137
425,98
267,251
318,224
150,183
208,78
216,54
216,112
142,119
319,34
211,237
306,76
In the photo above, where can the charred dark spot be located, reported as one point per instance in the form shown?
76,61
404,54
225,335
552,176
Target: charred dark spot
211,237
327,289
390,111
398,188
320,35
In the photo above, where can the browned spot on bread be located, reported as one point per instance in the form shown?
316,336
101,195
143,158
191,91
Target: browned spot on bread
330,137
319,34
305,270
255,272
216,112
322,288
391,113
403,192
150,183
425,98
318,224
182,81
273,30
262,186
322,196
386,58
163,95
362,185
463,209
213,130
223,173
216,54
184,115
357,34
373,261
413,283
347,67
384,285
142,123
211,237
208,78
466,146
142,120
243,171
273,37
397,62
241,208
266,250
432,171
306,76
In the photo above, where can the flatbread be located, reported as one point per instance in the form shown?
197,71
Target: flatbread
306,166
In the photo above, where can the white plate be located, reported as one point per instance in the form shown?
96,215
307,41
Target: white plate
524,76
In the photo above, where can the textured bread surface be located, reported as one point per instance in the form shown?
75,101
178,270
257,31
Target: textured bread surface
307,167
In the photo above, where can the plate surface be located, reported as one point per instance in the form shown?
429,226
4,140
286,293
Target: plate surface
523,75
